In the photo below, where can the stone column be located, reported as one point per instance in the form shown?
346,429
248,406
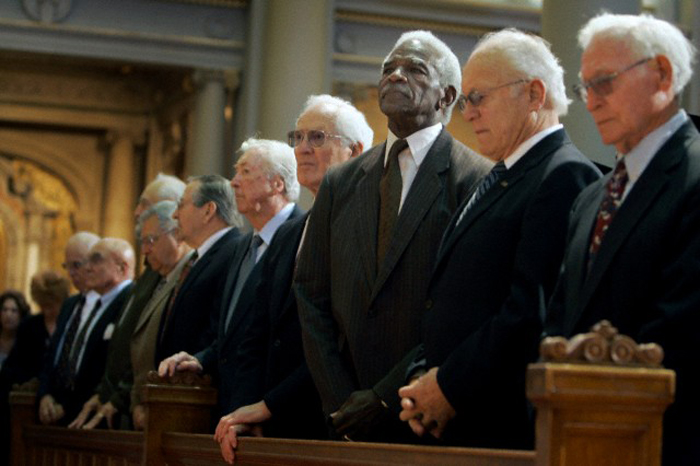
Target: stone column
561,21
288,59
120,190
205,154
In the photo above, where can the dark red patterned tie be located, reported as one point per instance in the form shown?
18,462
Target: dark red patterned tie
608,208
173,295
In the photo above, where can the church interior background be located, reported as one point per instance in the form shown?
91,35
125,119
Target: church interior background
98,96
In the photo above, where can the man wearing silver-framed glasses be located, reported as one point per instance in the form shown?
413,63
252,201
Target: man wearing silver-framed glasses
499,259
633,256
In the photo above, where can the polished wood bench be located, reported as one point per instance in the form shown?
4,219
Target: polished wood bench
600,400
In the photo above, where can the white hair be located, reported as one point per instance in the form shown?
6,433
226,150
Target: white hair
530,57
347,120
166,187
646,37
278,159
163,211
445,63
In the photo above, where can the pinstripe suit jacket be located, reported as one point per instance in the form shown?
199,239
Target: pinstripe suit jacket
359,321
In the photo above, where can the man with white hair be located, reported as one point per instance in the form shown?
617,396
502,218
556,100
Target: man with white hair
81,353
633,256
265,187
372,238
274,394
499,258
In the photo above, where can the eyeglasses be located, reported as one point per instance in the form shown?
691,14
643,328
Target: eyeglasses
476,97
73,265
602,85
316,137
96,258
150,240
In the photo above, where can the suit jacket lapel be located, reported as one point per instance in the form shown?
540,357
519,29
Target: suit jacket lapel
633,209
536,155
368,199
425,188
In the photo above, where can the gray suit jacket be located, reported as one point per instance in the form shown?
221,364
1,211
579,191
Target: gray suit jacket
359,322
143,339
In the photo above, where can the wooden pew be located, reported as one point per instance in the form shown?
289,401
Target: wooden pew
600,400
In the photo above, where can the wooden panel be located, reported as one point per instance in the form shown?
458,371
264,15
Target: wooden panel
57,446
190,450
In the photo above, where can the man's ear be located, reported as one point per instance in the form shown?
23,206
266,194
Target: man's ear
450,95
357,149
538,94
663,65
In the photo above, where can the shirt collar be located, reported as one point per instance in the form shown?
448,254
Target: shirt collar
528,144
268,231
108,297
209,242
419,142
639,157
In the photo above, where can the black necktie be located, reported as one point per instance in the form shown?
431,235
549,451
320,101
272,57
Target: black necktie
389,199
63,365
80,340
489,180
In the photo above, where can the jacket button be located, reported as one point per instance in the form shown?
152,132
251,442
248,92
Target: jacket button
224,360
428,303
277,343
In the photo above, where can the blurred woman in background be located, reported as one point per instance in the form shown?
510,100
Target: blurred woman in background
13,308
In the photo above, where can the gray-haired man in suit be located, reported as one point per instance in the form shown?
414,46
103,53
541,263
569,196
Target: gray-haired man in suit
372,240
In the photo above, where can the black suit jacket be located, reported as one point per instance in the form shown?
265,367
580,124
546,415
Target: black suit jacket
67,309
92,365
494,275
270,362
218,357
194,318
359,322
645,277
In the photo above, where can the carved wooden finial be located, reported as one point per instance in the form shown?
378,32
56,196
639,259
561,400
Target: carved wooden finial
602,345
189,379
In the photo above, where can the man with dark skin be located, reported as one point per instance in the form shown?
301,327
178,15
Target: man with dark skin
374,233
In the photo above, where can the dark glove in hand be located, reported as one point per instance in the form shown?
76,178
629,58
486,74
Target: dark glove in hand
359,414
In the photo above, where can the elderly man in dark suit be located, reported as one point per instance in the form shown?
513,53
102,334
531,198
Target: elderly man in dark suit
633,255
79,359
274,394
372,239
266,187
206,216
75,255
499,258
110,404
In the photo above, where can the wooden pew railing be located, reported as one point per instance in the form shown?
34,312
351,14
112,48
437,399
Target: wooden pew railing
600,400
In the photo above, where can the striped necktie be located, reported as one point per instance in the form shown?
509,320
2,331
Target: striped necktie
489,180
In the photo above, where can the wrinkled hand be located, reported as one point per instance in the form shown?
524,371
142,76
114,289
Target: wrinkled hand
91,405
138,416
179,362
230,442
251,414
106,412
362,410
50,411
424,405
